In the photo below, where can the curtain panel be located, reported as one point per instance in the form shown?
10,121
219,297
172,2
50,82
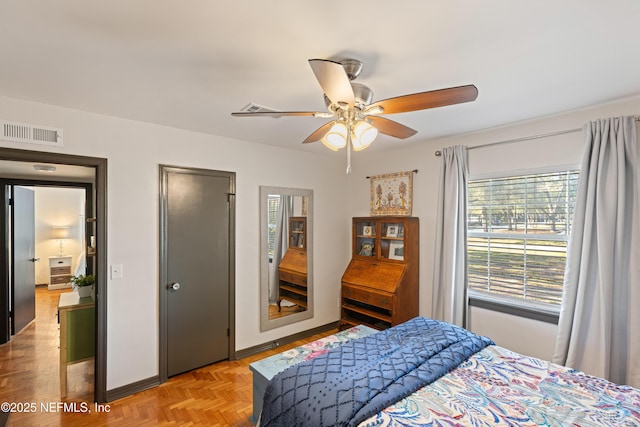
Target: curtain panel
450,266
599,326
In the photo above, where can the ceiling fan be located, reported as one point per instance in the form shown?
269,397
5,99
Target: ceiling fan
357,120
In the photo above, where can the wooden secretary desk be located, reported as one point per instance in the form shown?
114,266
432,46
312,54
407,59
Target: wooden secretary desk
292,271
380,284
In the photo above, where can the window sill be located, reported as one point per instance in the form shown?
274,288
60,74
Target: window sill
514,308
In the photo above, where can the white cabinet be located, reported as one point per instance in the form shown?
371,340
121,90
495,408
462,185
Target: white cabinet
59,271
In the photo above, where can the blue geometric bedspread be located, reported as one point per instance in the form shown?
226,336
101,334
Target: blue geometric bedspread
358,379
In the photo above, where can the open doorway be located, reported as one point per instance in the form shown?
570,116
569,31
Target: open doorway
95,218
51,240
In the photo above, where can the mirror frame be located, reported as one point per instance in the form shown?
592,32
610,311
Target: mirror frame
265,322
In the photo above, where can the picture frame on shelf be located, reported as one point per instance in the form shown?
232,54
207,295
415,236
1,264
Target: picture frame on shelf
392,231
367,230
366,249
396,251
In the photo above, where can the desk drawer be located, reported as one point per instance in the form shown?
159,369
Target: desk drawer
373,298
297,279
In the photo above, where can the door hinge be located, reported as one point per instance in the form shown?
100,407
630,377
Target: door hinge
228,332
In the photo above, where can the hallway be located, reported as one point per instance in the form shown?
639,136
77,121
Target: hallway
29,362
33,356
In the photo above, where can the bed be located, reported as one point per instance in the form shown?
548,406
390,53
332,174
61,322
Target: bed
430,373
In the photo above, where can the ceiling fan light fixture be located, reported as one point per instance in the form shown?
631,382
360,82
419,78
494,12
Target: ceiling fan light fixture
374,109
336,138
357,120
363,135
363,95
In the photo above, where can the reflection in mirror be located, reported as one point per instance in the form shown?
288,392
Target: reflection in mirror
286,280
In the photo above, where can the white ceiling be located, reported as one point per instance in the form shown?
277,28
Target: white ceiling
189,64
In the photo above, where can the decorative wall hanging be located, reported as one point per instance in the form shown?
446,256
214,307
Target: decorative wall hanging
391,194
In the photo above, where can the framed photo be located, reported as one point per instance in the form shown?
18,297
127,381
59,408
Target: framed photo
391,194
367,230
392,231
396,251
366,249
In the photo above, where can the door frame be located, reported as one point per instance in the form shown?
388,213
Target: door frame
100,213
15,182
163,282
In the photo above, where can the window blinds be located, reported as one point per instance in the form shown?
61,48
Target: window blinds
518,229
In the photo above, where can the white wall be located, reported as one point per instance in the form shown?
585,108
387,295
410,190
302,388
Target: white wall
522,335
57,207
526,336
134,150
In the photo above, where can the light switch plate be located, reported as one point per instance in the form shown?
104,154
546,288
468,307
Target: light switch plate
116,271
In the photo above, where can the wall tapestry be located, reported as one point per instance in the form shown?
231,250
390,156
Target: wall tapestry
391,194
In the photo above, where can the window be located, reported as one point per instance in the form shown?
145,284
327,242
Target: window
518,228
273,204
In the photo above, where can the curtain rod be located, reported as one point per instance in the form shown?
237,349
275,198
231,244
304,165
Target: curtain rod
414,171
526,138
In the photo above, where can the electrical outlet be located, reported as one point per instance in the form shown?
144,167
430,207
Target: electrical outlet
116,271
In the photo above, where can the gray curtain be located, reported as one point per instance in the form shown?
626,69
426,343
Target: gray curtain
599,327
450,267
281,244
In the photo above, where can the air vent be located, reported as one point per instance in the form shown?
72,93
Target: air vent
33,134
255,108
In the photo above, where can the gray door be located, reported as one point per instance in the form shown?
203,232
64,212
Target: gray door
197,239
23,299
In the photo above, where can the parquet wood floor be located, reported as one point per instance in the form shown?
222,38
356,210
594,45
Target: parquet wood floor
216,395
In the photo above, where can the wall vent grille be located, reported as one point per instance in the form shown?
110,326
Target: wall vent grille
256,108
33,134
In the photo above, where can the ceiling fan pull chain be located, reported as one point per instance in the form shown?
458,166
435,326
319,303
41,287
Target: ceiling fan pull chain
349,151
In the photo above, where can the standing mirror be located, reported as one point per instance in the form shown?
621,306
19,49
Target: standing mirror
286,254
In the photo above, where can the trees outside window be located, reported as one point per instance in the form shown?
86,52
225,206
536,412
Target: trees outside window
518,228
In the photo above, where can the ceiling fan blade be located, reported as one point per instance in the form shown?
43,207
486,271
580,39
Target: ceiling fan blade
319,133
391,128
276,114
425,100
334,81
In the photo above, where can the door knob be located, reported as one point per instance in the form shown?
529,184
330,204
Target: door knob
175,286
34,259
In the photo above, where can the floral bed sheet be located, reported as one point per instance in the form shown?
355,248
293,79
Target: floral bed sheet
499,387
